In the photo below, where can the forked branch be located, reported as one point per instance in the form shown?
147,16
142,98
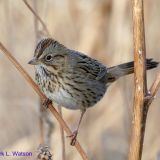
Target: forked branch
154,89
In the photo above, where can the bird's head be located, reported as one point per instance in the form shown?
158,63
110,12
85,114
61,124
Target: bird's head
48,53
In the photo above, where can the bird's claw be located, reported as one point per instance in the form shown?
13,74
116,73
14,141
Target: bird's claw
46,102
73,137
147,97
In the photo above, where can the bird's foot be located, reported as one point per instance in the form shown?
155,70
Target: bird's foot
148,97
46,102
73,137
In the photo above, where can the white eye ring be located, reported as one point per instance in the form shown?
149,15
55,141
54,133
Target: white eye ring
48,57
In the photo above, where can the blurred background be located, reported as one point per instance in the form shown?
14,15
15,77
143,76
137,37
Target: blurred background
101,29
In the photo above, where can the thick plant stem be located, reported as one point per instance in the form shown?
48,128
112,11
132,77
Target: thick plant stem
139,108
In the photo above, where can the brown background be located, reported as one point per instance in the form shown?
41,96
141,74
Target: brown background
101,29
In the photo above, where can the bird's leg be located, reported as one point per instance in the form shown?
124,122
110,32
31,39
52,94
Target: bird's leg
46,102
73,136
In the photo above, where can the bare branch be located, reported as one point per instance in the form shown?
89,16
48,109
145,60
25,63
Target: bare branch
36,31
142,98
155,86
42,96
38,17
36,24
153,90
139,109
41,126
62,136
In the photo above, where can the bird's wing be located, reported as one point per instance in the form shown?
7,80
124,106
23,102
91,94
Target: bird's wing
89,66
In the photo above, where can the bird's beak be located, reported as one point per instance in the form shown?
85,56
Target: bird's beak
34,61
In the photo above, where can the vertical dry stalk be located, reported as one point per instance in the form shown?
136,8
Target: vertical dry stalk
139,109
38,18
62,136
43,97
142,100
39,104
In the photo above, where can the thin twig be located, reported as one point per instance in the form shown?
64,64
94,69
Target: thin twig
48,34
38,17
43,97
36,24
154,89
62,136
41,126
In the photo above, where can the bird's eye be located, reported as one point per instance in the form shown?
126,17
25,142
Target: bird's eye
48,57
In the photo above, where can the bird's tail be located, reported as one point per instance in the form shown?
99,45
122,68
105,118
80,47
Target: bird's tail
127,68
